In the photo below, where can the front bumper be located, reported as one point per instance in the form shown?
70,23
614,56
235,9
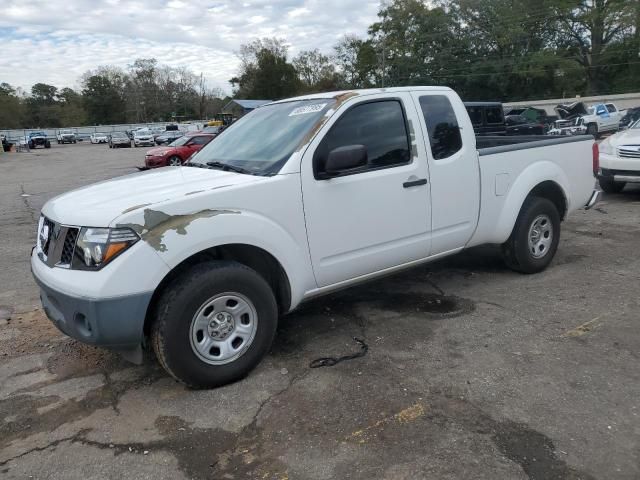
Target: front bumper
115,322
626,176
155,162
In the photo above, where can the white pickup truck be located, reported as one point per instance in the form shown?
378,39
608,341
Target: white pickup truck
299,198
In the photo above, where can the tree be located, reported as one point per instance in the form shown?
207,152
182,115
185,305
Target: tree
12,111
316,72
71,108
357,62
265,72
592,32
103,101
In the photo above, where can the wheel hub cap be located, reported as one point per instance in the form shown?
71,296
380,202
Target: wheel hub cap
223,328
540,236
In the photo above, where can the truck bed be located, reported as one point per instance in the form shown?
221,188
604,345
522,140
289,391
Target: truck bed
488,145
511,166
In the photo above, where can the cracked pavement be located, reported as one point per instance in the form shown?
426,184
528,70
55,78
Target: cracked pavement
473,371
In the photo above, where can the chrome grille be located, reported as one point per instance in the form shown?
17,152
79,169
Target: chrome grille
56,243
68,247
629,151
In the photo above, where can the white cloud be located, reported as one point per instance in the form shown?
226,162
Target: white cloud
55,42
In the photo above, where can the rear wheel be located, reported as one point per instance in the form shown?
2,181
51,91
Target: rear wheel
611,186
535,236
175,161
214,323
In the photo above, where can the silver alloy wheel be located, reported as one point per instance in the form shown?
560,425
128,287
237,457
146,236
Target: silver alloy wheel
175,161
223,328
540,236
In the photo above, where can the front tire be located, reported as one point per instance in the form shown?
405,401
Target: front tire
611,186
214,323
175,161
592,129
535,236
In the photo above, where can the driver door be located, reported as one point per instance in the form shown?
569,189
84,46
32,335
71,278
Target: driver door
376,216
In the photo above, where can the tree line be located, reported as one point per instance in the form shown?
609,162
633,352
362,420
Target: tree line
504,50
144,92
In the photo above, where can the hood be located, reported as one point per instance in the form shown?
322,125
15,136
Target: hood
571,110
626,137
159,151
99,204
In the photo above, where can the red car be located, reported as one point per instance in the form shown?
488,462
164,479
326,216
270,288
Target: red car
178,152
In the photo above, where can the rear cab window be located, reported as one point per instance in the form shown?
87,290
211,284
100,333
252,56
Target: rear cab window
379,125
494,115
475,113
442,126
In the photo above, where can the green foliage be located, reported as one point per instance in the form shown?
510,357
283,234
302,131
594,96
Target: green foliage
265,72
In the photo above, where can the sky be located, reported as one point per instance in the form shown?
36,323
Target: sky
56,41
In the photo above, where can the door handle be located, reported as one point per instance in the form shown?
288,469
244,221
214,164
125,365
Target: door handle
415,183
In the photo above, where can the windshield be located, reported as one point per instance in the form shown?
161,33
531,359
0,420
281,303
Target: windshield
263,140
118,135
179,142
636,125
139,133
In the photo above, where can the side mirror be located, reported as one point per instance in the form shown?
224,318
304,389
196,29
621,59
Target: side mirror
345,158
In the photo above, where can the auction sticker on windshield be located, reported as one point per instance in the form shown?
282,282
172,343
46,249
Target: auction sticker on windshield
307,109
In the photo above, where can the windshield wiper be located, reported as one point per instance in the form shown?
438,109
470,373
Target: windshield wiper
197,165
230,168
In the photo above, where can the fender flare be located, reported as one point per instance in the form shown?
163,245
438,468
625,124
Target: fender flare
175,238
527,180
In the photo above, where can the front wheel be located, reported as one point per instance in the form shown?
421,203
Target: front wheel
175,161
592,129
611,186
214,323
535,236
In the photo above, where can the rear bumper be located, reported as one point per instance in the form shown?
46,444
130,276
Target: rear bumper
595,198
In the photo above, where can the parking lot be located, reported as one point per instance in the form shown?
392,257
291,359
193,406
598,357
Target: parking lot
472,371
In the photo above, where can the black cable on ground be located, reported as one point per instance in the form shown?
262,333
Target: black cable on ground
331,361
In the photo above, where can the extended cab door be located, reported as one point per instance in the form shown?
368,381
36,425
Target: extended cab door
377,215
453,167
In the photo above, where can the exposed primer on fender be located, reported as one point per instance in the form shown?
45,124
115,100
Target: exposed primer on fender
157,224
135,207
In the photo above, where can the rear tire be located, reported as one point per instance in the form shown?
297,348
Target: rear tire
610,186
535,236
186,350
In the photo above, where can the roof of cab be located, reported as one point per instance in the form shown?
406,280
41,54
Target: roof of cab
358,92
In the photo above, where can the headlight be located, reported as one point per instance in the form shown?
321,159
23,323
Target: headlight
96,247
607,148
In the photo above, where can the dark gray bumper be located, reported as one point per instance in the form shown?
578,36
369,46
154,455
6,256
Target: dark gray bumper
116,323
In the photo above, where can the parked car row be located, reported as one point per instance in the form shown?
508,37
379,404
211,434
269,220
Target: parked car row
490,118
